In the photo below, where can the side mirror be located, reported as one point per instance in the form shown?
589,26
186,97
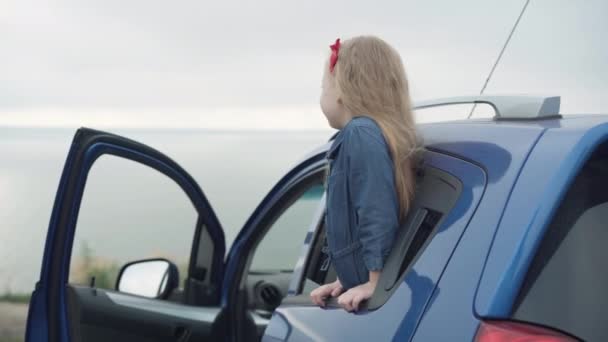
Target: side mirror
152,278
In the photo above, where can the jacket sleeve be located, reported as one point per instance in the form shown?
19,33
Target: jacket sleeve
373,195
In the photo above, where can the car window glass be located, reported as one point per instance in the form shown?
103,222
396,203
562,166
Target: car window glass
281,246
129,212
565,287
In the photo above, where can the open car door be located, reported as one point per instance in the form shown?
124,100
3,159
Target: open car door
60,311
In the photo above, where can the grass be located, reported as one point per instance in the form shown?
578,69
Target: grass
86,266
105,270
10,339
20,298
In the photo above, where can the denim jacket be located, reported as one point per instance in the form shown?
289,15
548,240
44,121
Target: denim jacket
362,213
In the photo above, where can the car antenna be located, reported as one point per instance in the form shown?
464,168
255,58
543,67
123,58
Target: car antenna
502,51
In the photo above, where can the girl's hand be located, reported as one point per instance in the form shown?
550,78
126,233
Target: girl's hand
351,299
320,294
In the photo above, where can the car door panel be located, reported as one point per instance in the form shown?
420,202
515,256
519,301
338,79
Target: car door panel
117,317
49,317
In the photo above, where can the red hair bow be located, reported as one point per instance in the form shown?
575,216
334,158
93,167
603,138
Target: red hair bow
335,48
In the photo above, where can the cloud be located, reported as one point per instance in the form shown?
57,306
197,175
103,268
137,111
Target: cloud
114,59
277,118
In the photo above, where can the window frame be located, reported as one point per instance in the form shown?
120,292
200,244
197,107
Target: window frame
394,271
270,212
293,193
198,229
240,255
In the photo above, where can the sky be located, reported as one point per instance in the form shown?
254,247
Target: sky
258,64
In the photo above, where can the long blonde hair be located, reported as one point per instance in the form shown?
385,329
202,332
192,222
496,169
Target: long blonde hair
370,79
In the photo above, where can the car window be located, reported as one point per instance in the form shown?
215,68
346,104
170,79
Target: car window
123,218
565,287
436,195
280,248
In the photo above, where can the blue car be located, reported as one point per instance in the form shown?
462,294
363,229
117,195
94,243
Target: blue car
506,240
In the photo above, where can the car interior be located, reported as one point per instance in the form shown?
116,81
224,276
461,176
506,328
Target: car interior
262,288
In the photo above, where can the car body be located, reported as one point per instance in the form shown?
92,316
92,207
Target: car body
477,258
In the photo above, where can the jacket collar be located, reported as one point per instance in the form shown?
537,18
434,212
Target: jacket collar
338,138
336,142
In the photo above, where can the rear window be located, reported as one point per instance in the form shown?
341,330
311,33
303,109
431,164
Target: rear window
567,284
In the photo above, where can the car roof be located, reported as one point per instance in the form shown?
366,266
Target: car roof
475,130
451,136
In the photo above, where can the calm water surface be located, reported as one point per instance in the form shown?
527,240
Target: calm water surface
128,209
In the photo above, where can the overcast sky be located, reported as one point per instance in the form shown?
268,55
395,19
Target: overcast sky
258,64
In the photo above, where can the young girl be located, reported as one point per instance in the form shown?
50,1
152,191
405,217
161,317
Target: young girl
371,178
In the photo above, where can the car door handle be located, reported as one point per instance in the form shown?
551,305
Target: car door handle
182,334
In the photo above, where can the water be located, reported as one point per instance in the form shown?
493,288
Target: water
234,169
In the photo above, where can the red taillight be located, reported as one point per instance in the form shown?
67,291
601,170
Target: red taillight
501,331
